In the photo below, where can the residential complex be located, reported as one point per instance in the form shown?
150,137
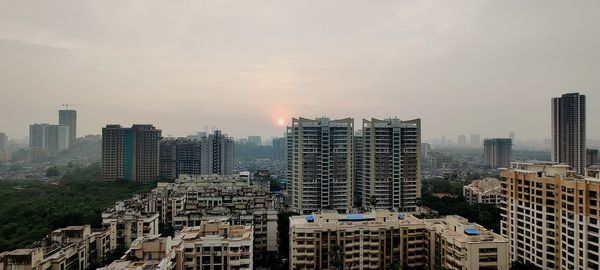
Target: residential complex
483,191
212,154
497,152
279,149
130,153
391,164
69,118
74,247
568,131
320,164
130,219
48,137
550,215
381,238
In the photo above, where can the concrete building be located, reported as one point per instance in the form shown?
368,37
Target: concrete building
279,149
591,157
57,137
461,140
74,247
483,191
568,131
381,238
130,219
3,143
214,245
550,215
392,164
359,177
37,136
69,118
256,140
497,152
475,140
130,153
147,252
217,151
320,164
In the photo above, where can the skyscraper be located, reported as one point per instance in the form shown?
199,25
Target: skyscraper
497,152
3,142
37,136
320,164
57,137
279,149
568,131
391,164
461,140
475,140
359,179
69,118
211,154
130,153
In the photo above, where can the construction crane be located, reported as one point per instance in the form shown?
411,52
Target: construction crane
67,105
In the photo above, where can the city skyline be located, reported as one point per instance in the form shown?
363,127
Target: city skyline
193,63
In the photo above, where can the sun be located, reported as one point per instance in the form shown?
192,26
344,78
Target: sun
280,122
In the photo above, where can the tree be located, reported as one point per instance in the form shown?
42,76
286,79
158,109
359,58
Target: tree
52,172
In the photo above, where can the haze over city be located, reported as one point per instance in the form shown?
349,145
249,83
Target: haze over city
487,67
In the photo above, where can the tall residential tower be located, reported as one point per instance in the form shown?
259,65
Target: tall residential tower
130,153
497,152
568,131
69,118
320,164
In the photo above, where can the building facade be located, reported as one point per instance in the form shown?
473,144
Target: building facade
381,239
391,164
568,131
484,191
320,164
591,157
3,143
550,215
497,152
69,118
279,149
130,153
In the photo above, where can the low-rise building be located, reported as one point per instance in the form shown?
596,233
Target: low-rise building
74,247
130,219
148,252
483,191
381,239
214,245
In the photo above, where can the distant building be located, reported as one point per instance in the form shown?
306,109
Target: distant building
568,131
279,149
392,164
37,136
130,153
69,118
497,152
3,142
475,140
320,164
462,140
483,191
381,238
591,157
550,215
425,149
49,137
256,140
359,177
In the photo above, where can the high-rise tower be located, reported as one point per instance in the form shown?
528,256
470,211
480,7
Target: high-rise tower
69,118
568,131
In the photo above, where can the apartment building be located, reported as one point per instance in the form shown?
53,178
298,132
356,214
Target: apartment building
550,215
214,245
130,153
568,131
74,247
147,252
391,164
320,164
381,238
130,219
497,152
484,191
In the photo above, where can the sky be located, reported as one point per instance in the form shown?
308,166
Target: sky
487,67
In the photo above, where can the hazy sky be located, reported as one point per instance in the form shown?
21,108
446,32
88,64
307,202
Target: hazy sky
486,67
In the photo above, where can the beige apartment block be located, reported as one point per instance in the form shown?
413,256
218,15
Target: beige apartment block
148,252
128,220
550,215
382,239
215,246
483,191
74,247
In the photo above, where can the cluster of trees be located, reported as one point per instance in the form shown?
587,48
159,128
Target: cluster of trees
31,209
